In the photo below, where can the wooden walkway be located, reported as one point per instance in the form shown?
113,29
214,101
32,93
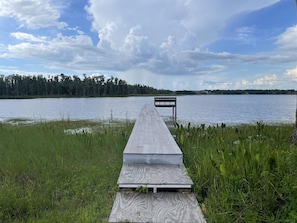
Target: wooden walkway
153,161
151,142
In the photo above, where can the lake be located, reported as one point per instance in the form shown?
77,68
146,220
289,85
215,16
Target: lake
197,109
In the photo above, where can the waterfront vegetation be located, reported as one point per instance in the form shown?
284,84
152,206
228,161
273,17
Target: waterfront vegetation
48,174
21,86
62,85
242,173
67,171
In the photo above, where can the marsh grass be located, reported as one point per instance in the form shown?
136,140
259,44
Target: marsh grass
242,173
49,176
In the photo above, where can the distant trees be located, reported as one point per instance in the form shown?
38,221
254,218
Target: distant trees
247,91
70,86
20,86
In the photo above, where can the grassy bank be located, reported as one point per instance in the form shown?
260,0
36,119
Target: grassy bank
240,174
243,173
49,176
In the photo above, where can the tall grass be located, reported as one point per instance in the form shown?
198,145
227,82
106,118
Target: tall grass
240,173
49,176
243,173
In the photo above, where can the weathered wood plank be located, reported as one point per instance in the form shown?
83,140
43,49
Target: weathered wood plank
153,159
156,207
170,176
150,135
150,138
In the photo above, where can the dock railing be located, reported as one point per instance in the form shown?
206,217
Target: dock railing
167,102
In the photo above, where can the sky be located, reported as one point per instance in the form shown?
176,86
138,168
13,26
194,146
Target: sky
166,44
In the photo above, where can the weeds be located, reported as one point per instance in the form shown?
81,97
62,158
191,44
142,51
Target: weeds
142,189
49,176
242,173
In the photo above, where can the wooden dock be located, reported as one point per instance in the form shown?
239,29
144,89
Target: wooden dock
151,142
166,102
153,184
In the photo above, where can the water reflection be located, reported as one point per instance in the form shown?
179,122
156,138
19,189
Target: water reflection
208,109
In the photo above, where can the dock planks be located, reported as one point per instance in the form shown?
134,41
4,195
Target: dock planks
151,142
156,207
154,176
152,159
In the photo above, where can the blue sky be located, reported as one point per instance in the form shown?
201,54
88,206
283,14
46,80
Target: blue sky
169,44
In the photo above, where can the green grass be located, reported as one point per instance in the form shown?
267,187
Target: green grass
240,173
49,176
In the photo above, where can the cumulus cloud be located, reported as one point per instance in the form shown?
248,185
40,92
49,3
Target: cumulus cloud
62,49
28,37
292,73
267,81
145,39
33,14
167,37
288,40
194,22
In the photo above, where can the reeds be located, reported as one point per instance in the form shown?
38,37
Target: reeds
242,173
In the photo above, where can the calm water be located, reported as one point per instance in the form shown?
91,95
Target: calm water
207,109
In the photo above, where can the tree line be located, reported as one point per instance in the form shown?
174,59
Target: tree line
70,86
247,91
